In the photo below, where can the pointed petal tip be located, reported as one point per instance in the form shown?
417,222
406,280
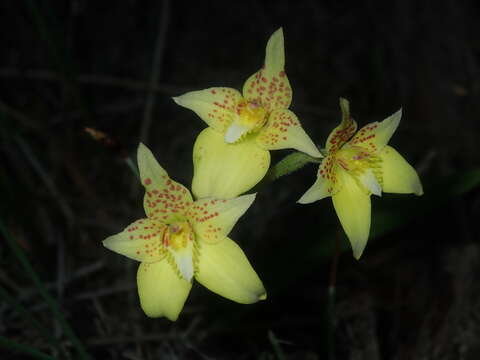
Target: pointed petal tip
303,200
357,255
263,296
419,191
278,32
250,198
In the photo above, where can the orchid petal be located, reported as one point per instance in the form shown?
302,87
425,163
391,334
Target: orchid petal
343,132
376,135
398,175
223,170
162,292
270,86
283,131
369,180
165,200
213,219
318,191
353,208
224,269
235,131
141,241
216,106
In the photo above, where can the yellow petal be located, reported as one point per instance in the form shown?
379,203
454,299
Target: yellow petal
343,132
224,171
213,219
352,205
141,241
216,106
224,269
161,291
376,135
283,131
369,180
269,86
165,200
398,175
318,191
327,183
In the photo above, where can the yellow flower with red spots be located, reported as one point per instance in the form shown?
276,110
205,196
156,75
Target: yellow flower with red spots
357,165
181,239
232,154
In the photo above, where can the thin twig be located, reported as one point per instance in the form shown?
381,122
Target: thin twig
156,69
47,180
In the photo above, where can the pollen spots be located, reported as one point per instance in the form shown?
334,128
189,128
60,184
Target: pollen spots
223,101
147,181
202,212
148,235
341,135
272,90
277,127
365,137
166,199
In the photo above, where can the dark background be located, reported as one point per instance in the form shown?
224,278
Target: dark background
114,66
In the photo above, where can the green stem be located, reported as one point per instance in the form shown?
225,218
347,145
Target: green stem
20,255
289,164
25,349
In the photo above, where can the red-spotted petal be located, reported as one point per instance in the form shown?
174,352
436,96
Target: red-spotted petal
216,106
343,132
213,219
141,241
269,87
165,200
376,135
283,131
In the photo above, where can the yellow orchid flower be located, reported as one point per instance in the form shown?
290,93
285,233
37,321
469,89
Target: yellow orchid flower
232,154
358,165
181,239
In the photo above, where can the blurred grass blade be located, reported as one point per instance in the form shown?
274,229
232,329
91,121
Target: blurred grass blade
58,54
466,182
20,255
47,180
132,166
276,346
24,349
29,318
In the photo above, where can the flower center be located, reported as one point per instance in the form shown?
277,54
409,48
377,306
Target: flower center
178,235
251,116
353,159
178,241
363,166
